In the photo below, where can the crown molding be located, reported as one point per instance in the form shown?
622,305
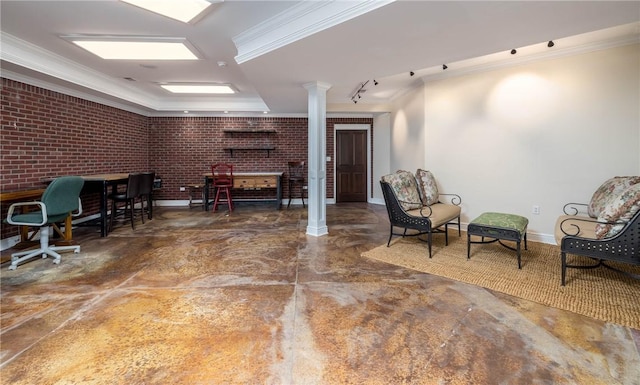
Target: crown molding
30,56
71,92
302,20
122,96
474,65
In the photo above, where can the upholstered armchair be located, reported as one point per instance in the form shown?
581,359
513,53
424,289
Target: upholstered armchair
414,203
605,229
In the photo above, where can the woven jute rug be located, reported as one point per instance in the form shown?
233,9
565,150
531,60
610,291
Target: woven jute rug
599,293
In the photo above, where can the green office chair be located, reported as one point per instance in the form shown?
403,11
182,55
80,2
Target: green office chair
61,198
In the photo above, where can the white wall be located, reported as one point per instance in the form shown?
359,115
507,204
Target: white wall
543,133
408,133
381,154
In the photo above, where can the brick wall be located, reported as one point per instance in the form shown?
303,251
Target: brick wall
47,134
183,149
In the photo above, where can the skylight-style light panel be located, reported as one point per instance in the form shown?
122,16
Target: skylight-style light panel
199,88
123,48
181,10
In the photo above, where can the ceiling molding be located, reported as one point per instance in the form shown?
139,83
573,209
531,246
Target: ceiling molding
475,65
71,92
27,55
245,105
302,20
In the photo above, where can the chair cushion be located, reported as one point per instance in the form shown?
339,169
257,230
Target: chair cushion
404,185
609,189
620,208
586,227
427,187
441,213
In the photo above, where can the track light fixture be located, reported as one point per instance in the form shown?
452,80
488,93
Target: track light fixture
550,43
411,73
375,82
444,67
513,51
356,95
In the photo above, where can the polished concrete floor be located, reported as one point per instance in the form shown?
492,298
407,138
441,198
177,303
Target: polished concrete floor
196,297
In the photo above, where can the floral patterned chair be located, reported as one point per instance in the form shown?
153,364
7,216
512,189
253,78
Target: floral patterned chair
414,203
605,229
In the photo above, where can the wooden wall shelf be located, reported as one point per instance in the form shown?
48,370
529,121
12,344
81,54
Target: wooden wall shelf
247,131
267,149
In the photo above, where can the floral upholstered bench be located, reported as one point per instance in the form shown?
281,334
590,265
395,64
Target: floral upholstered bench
498,227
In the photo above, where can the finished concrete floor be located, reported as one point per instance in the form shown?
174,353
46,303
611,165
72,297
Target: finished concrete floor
195,297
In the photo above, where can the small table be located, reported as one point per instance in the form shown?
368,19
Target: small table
498,226
193,190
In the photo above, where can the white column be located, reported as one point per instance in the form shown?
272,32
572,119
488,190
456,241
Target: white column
317,142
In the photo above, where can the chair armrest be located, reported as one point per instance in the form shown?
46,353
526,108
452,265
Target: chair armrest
574,208
12,208
453,199
427,209
79,209
573,229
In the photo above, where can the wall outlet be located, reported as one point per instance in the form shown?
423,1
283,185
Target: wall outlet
182,188
535,210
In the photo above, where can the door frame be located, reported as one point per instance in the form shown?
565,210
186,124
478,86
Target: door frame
353,127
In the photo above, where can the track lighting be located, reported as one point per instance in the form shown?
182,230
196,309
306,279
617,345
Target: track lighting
356,95
444,67
375,82
550,43
513,51
411,73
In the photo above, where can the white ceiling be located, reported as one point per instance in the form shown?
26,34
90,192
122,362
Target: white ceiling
282,45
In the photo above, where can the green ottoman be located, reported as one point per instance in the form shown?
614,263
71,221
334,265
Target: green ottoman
498,226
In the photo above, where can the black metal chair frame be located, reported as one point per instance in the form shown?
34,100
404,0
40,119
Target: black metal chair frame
398,218
622,247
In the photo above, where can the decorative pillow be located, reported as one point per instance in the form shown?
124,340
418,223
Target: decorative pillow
427,187
608,190
405,187
619,209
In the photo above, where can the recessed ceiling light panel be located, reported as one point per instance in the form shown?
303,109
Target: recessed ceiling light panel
135,47
181,10
199,88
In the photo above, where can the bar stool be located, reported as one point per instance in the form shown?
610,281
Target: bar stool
194,189
222,175
296,176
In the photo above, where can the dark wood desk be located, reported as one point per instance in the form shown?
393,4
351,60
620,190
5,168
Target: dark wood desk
250,181
101,183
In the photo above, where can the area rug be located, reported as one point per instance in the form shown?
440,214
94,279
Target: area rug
599,293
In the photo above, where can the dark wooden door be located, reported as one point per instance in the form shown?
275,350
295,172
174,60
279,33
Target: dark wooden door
351,166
